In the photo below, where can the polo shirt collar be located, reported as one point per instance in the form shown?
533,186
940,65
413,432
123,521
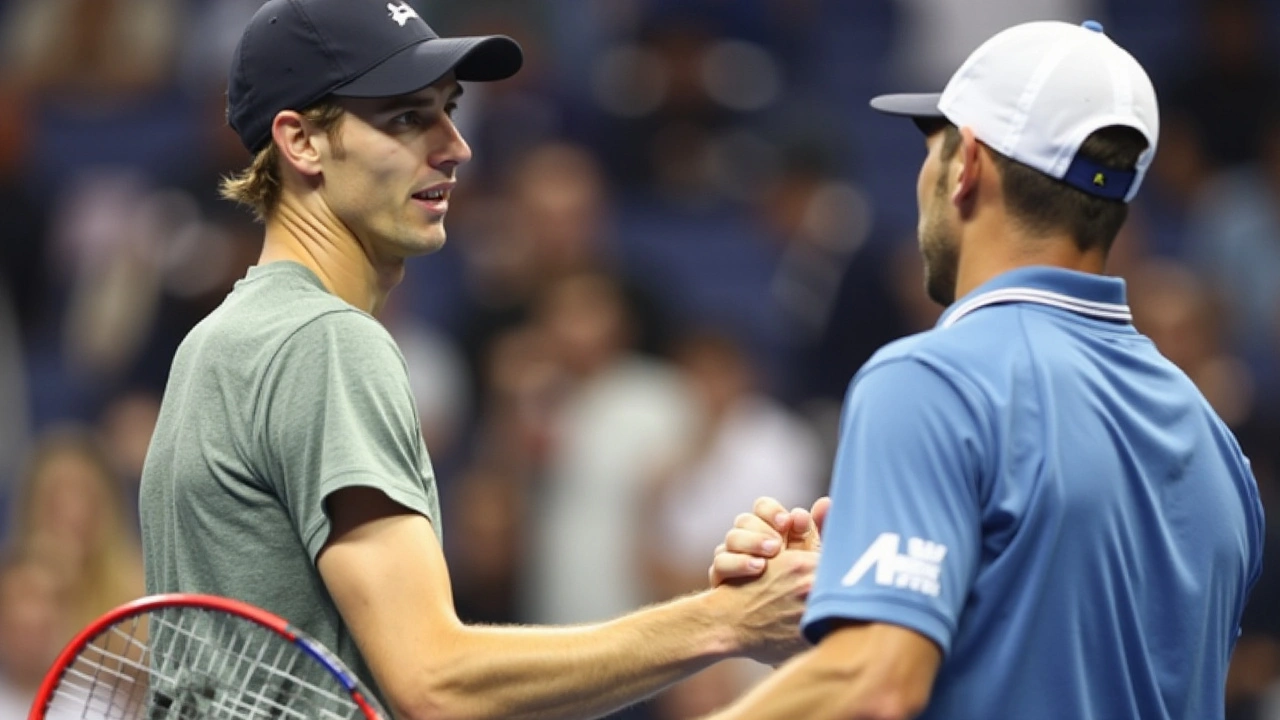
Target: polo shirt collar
1096,296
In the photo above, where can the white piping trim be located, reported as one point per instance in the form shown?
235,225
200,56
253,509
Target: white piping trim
1103,311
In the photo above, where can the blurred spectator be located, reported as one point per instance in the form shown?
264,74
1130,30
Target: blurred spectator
98,47
23,297
70,515
708,691
127,424
109,250
831,294
1213,111
134,267
553,219
99,74
33,629
14,430
1269,706
484,543
440,380
745,446
510,118
526,387
622,416
1224,79
25,214
1233,237
202,253
212,30
1252,685
654,92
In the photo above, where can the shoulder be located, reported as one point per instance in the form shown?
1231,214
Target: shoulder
977,360
342,333
346,323
966,351
282,303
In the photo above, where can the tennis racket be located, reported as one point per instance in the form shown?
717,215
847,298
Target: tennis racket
199,657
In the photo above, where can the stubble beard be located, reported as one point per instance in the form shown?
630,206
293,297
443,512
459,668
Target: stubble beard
940,251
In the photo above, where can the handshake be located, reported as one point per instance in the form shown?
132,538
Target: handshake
762,574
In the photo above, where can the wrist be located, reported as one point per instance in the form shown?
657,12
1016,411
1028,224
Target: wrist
717,606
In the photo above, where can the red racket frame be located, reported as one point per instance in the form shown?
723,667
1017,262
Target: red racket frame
205,602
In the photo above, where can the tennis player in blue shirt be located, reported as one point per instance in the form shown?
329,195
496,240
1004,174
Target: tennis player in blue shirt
1034,514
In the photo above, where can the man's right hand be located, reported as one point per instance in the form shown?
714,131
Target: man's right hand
765,610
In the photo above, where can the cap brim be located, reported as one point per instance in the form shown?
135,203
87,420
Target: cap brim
473,59
914,105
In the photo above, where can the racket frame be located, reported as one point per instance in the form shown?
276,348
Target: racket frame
212,603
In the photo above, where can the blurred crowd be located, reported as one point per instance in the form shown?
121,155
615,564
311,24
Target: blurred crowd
682,233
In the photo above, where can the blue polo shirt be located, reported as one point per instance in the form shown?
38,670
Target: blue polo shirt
1033,487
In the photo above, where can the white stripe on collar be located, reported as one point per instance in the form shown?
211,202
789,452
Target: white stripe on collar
1114,312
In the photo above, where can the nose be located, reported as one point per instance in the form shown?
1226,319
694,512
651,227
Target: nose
449,149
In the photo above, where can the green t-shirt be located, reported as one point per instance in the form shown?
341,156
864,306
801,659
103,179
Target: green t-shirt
282,395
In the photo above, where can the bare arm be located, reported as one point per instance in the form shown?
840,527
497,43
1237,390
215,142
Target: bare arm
386,572
865,671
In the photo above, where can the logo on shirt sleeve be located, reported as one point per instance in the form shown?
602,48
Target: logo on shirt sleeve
918,570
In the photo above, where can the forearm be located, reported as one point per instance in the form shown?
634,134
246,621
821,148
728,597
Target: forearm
863,672
802,688
388,577
579,671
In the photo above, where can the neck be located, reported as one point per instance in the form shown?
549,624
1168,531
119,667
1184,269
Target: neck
322,243
989,252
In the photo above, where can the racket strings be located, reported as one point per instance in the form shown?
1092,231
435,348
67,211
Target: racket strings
187,663
103,682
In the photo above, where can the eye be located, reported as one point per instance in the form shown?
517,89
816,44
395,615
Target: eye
451,107
407,120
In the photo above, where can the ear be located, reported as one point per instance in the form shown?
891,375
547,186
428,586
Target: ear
969,160
297,142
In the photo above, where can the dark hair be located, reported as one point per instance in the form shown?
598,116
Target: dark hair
1042,204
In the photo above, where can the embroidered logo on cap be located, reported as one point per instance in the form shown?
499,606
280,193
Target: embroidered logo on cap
402,12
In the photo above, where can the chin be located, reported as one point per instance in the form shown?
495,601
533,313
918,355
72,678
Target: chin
433,244
425,243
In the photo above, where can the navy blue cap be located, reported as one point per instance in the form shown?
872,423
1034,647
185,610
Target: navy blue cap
296,52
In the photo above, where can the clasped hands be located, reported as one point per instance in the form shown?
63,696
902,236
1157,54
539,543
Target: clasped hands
774,552
764,532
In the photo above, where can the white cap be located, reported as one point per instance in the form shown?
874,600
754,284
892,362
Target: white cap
1035,91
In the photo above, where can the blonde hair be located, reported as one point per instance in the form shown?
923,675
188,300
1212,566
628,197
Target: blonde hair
110,572
258,186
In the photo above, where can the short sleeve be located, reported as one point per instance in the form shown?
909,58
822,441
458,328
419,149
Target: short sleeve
901,544
336,411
